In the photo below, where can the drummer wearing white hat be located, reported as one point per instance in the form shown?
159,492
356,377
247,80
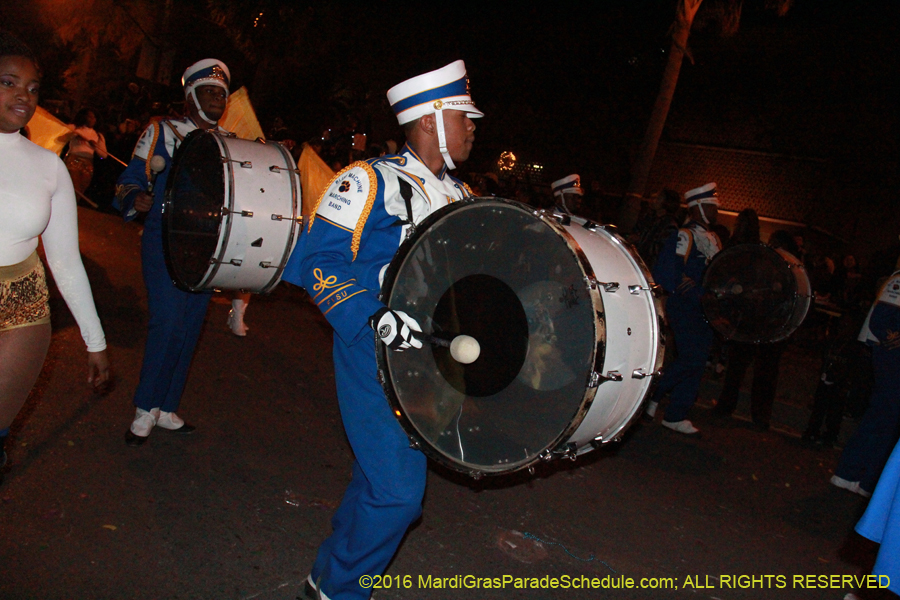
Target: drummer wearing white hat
679,270
176,316
359,223
568,193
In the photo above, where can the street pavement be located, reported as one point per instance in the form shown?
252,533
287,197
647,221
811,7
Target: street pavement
237,510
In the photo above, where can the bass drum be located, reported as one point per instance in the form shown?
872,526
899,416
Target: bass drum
757,294
232,213
569,324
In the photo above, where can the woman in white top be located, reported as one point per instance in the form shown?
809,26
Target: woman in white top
36,200
85,141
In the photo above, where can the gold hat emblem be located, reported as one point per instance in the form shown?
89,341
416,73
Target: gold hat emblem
438,105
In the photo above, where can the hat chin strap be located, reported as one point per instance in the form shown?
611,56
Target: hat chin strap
200,110
442,139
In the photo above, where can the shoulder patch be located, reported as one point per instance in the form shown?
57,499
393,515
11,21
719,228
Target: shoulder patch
144,147
348,199
890,293
684,243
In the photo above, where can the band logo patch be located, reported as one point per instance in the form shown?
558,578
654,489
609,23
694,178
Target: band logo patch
345,186
384,331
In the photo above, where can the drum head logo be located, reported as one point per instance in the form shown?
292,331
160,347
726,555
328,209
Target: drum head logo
345,186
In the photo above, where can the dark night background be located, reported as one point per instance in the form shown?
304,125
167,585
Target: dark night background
564,86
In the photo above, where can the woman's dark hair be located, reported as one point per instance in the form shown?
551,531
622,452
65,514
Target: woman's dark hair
746,228
671,201
10,45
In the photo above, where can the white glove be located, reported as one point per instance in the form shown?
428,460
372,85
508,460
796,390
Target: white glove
395,329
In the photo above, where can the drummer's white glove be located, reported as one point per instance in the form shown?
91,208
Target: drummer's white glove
395,328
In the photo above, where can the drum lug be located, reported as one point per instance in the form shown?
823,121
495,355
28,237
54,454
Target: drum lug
414,444
591,226
612,286
245,164
561,218
266,264
613,376
636,289
277,169
640,374
234,262
594,379
283,218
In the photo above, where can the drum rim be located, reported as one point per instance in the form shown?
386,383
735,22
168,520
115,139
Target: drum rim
787,329
557,447
189,140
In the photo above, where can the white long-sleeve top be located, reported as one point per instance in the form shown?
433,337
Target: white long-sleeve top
37,199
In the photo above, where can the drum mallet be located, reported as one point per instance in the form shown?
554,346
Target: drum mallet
157,166
463,348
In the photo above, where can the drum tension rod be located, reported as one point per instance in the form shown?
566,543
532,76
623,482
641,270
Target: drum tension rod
640,374
283,218
245,164
243,213
611,286
277,169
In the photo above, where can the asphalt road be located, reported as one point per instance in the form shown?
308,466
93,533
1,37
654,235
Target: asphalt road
238,510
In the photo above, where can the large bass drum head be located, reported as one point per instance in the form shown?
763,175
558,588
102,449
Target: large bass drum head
756,294
496,271
195,195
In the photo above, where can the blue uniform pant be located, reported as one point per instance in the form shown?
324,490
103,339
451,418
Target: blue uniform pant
385,494
176,319
693,339
867,451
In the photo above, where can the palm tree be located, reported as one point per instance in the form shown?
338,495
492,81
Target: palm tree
728,15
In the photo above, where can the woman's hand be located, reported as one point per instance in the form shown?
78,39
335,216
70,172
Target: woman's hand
98,369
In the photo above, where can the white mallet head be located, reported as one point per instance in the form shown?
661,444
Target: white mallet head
465,349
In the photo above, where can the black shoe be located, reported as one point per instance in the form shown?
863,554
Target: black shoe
134,440
185,429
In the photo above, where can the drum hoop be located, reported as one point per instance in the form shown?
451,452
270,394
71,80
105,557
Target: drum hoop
225,158
557,446
295,226
189,140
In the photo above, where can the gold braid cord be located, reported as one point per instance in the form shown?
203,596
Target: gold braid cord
157,127
370,201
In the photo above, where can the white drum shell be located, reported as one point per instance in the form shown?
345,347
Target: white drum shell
634,334
261,183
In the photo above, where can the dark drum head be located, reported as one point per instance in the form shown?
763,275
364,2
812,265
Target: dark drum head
493,270
753,294
192,215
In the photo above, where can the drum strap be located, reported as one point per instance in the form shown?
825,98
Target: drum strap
406,193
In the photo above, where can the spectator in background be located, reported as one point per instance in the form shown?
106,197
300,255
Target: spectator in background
83,144
651,233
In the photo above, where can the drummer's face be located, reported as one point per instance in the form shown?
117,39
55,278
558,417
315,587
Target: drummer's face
460,131
19,83
212,101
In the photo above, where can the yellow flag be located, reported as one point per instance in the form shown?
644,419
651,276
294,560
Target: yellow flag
47,131
314,178
240,118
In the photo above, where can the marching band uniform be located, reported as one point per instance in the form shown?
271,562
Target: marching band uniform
359,223
865,454
176,316
679,270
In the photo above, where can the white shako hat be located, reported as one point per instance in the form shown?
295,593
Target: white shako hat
567,185
208,71
446,88
702,195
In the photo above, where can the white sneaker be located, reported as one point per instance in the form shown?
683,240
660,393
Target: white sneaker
650,411
144,421
685,427
852,486
169,420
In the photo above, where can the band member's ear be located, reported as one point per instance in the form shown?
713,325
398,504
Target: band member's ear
427,124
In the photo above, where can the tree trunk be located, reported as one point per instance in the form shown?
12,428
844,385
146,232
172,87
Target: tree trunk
640,169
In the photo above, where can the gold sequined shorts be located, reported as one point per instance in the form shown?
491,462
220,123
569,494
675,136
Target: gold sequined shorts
24,298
